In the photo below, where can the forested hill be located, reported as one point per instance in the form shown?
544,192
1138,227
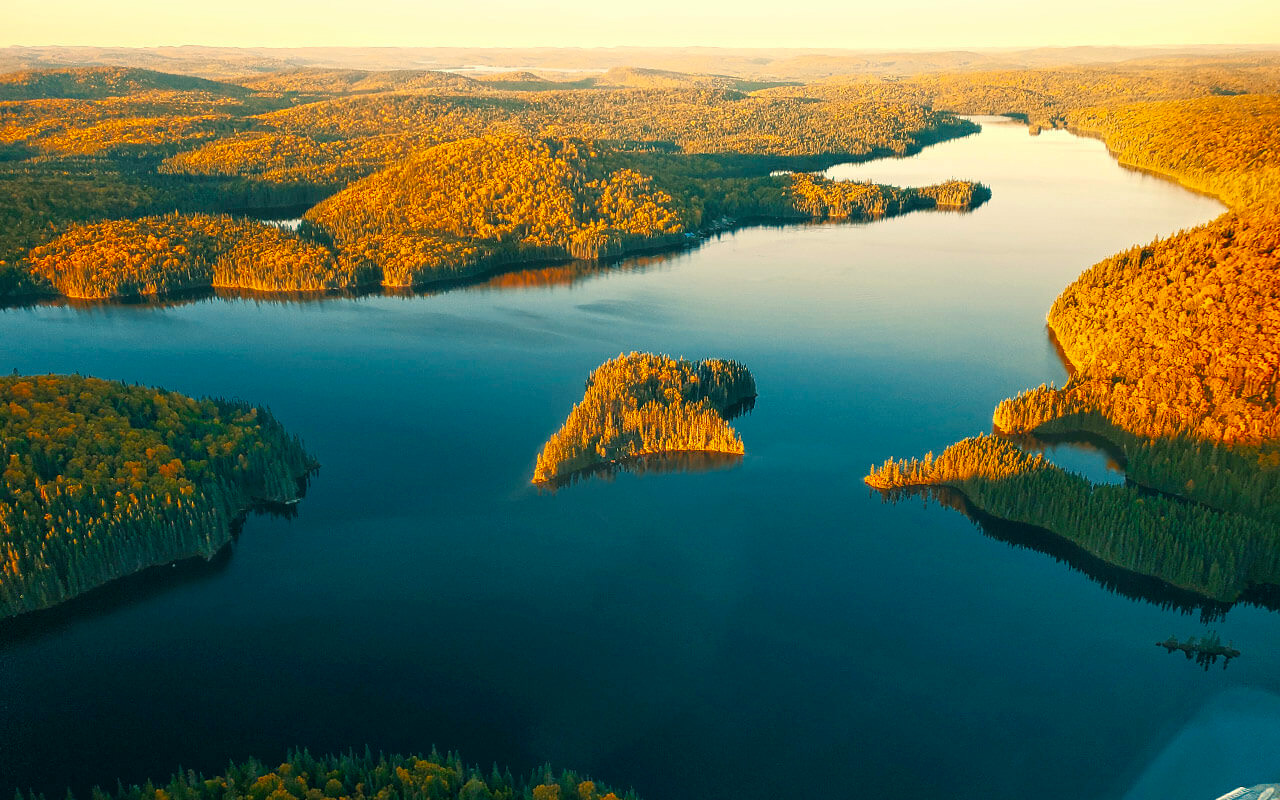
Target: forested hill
457,208
455,211
105,146
101,82
102,480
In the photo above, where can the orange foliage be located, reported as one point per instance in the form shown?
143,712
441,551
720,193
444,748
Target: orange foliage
643,404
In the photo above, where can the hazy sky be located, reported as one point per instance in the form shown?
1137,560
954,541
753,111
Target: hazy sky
593,23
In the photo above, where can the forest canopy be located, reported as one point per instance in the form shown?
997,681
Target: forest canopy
302,776
640,404
1173,350
102,479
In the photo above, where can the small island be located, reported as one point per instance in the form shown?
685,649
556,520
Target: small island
641,405
102,480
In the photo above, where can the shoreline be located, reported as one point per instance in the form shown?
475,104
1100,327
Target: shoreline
235,523
670,244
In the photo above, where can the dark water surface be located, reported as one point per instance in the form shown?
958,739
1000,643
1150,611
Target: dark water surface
766,630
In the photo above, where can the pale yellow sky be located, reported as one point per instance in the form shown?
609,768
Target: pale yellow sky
602,23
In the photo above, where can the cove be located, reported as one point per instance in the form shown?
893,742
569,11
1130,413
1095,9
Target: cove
754,631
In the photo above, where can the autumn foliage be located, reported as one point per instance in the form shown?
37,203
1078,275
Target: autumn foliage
173,253
642,404
101,480
461,207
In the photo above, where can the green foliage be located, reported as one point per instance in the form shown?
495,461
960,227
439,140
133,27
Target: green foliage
37,198
102,480
1214,553
303,776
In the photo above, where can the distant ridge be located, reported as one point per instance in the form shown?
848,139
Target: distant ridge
97,82
751,64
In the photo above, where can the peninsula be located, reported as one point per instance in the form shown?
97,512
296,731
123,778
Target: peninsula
102,480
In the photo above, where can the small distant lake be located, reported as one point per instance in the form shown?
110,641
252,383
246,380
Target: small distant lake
765,630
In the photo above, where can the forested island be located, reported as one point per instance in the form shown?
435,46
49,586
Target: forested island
102,480
302,776
639,405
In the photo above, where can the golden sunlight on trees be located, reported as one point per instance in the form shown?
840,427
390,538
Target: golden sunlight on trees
1216,554
642,404
463,207
173,253
1174,351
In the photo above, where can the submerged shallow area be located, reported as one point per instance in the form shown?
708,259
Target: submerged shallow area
717,633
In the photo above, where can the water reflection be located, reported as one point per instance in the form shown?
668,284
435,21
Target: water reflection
716,643
1117,580
1087,455
501,278
658,464
1206,650
140,587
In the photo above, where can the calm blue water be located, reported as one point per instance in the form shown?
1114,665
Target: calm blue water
763,631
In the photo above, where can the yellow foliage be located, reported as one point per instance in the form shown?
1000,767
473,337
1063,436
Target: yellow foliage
642,404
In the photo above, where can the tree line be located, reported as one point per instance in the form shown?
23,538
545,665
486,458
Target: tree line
102,479
1217,554
302,776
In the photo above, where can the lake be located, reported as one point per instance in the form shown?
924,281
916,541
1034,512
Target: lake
765,630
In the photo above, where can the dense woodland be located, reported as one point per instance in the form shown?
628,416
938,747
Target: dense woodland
102,480
1217,554
1048,98
460,207
363,777
432,176
425,211
97,164
642,404
181,252
115,182
1173,347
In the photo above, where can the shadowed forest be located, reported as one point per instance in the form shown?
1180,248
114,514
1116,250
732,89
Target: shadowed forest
102,480
365,777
